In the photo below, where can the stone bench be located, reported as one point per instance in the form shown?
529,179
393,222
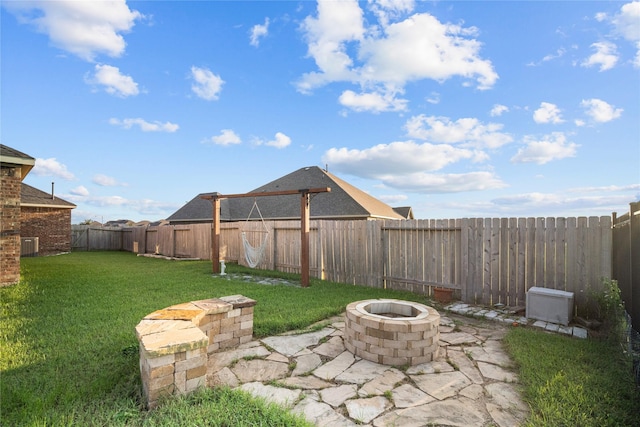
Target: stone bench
176,342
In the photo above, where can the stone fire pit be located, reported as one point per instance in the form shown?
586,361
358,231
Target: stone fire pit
392,332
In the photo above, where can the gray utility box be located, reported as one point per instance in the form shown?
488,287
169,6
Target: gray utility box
550,305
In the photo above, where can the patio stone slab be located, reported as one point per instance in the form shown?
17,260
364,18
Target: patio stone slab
259,370
306,383
442,386
506,396
336,396
465,365
289,345
361,372
335,367
306,363
365,410
331,348
321,414
456,338
495,372
381,384
453,413
278,395
430,368
407,396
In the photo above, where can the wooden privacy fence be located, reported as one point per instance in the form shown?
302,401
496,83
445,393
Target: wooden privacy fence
626,259
486,260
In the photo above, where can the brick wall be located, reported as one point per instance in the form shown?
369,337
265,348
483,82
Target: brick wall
10,179
51,225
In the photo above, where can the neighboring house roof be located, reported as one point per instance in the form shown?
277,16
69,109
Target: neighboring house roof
119,223
14,158
405,211
344,201
32,197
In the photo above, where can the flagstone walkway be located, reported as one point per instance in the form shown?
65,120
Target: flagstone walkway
472,382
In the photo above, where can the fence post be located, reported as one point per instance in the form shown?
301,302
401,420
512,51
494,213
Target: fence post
464,259
634,254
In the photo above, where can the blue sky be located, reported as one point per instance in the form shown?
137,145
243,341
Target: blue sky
457,109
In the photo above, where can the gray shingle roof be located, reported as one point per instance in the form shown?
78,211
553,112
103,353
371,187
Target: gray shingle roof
31,196
343,202
12,157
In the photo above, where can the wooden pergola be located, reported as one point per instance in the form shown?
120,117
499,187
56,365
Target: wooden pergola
304,224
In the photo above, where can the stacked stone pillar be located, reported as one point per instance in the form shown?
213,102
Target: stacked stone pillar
176,342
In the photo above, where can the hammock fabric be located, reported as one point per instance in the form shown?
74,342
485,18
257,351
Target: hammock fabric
253,255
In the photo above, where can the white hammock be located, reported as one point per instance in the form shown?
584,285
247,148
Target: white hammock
253,255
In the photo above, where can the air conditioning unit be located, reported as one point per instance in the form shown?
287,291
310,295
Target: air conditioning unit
550,305
29,246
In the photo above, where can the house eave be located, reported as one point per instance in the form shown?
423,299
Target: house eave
45,205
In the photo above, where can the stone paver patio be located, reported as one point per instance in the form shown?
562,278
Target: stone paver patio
471,383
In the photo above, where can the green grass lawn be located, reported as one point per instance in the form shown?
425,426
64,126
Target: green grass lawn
69,352
573,382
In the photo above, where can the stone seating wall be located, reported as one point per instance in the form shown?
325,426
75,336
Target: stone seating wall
177,342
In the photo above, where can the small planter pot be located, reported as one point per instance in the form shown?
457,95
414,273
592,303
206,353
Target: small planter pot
443,295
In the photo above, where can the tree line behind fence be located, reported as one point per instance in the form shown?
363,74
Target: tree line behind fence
485,260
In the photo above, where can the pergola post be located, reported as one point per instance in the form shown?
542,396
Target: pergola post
215,236
304,238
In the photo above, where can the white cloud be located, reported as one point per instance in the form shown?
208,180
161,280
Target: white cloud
51,167
281,141
409,166
80,190
600,111
563,202
498,110
401,157
444,183
375,102
393,198
144,125
83,28
327,35
605,56
607,188
600,16
106,181
207,85
387,10
382,58
114,82
434,98
257,32
421,47
226,137
559,54
142,206
547,113
469,132
626,24
551,147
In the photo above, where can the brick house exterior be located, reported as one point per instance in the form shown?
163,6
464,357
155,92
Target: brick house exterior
14,166
46,217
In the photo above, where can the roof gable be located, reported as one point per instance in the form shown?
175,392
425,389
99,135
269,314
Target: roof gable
343,202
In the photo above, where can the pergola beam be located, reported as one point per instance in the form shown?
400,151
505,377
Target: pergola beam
304,224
